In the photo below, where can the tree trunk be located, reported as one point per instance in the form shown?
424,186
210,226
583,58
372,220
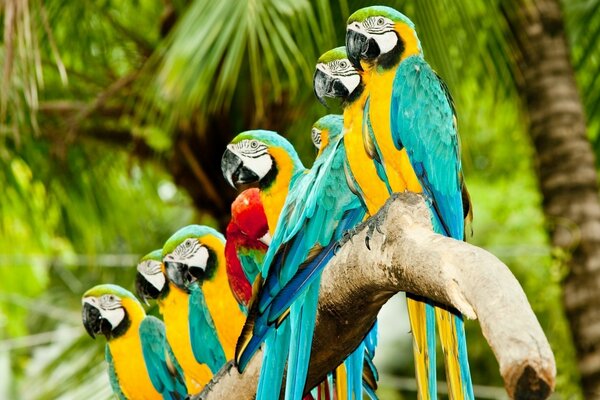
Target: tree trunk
565,168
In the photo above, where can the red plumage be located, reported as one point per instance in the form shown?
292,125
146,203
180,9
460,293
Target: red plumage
244,233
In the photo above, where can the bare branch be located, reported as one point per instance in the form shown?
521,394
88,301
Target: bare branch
410,257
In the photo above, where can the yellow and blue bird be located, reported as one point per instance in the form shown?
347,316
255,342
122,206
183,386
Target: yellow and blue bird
242,169
202,317
410,131
316,213
141,364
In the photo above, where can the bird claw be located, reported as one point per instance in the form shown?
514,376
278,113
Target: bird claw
373,224
346,237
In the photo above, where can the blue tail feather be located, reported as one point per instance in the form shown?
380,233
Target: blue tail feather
302,320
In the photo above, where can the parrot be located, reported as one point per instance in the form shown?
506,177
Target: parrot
201,314
314,216
248,239
410,131
141,364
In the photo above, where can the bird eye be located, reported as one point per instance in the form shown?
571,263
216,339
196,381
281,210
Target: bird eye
254,144
343,64
380,21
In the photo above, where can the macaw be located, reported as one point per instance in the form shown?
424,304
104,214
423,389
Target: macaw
335,77
202,317
141,364
265,157
316,212
248,239
410,131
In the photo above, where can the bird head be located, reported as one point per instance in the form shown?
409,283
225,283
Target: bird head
150,280
380,35
326,130
109,310
190,255
248,214
335,77
255,158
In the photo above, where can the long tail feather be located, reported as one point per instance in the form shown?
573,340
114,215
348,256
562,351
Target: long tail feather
454,346
275,355
302,319
422,322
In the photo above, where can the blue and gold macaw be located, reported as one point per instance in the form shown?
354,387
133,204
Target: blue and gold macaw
202,317
410,132
315,214
141,364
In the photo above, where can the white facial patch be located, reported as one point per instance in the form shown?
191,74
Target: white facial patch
151,271
315,135
254,156
350,81
386,41
191,253
342,70
110,308
381,29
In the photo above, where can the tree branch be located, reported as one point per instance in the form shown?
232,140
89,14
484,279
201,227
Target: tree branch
410,257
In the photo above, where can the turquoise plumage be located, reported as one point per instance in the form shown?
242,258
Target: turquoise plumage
430,140
206,345
162,367
164,370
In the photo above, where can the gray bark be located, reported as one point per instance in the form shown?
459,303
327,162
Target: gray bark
410,257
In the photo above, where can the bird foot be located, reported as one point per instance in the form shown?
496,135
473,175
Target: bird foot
374,224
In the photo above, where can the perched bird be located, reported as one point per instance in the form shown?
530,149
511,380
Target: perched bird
202,317
335,77
360,363
316,213
141,364
267,158
248,239
410,133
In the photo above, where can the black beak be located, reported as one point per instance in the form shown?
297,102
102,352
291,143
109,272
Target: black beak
144,289
355,41
359,47
325,85
235,172
179,274
93,321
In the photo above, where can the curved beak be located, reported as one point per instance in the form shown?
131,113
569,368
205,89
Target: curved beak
325,85
360,47
144,289
179,274
355,42
235,172
93,321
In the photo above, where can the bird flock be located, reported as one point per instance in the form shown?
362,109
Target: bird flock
223,298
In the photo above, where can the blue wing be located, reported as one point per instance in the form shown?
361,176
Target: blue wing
164,371
206,346
318,203
112,375
423,122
